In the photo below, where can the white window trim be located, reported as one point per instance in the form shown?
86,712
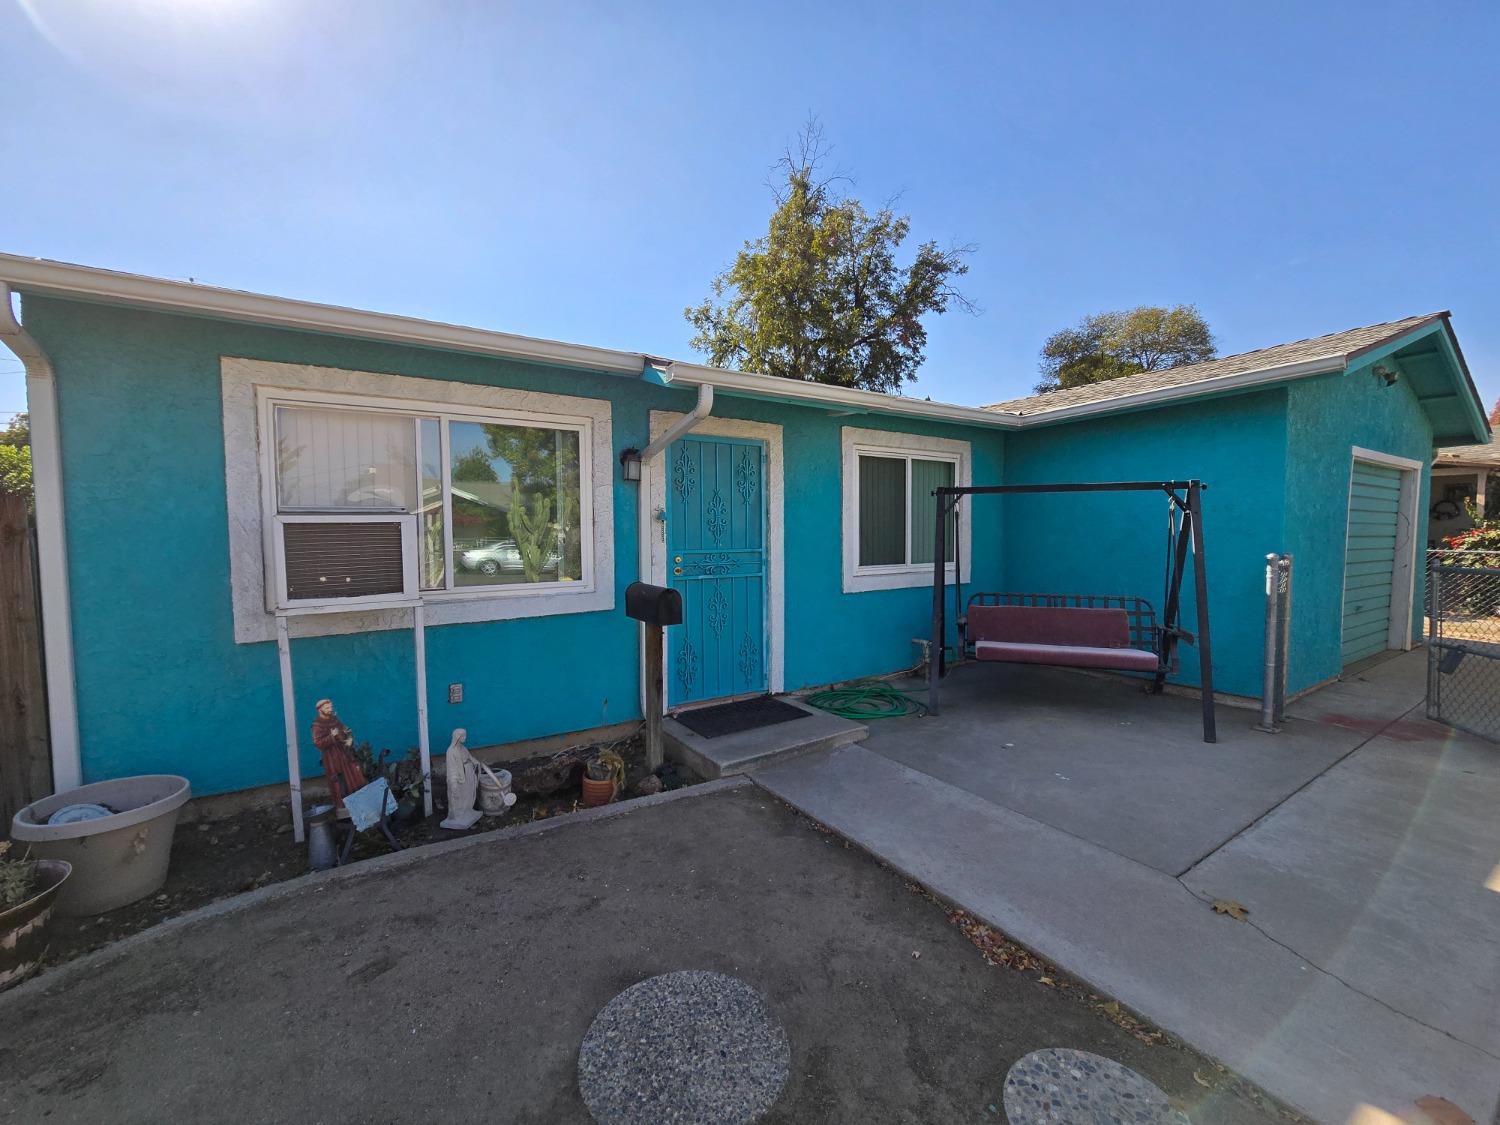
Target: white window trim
1410,519
862,579
251,388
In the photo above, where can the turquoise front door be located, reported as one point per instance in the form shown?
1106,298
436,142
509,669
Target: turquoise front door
716,555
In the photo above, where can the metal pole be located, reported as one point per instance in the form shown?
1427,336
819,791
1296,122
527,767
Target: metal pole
654,755
1200,591
289,718
935,657
1172,611
1284,631
1268,665
1434,639
424,747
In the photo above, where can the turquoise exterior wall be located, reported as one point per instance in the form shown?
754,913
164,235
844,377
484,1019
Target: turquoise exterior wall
163,687
1115,543
1328,416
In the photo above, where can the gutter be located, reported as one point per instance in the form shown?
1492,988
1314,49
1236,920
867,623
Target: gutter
52,547
853,401
87,283
62,279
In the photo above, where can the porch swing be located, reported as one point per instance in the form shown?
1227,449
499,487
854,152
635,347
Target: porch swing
1114,632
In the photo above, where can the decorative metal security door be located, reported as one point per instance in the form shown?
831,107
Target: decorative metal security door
716,555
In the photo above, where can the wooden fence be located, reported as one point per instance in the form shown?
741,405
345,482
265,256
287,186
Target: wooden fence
25,756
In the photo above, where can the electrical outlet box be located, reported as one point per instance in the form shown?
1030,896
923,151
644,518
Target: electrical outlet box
455,693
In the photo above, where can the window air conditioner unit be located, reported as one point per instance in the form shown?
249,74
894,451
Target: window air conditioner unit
344,562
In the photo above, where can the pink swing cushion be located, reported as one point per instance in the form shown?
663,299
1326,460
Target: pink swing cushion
1064,636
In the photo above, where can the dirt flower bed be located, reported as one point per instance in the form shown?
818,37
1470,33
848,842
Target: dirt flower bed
217,859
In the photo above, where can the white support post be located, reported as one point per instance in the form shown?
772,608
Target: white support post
419,637
289,717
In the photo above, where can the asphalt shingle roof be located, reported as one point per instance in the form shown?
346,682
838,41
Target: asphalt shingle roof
1487,454
1335,347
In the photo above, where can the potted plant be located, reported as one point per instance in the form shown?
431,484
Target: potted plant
603,778
28,892
404,777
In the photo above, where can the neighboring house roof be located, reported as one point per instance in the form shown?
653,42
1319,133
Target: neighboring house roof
1453,406
486,493
1478,456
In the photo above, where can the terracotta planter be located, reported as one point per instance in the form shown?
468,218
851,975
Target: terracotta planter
23,927
596,793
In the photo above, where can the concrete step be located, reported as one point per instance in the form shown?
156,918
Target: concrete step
750,749
1140,935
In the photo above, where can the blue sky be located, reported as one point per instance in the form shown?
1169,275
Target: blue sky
581,171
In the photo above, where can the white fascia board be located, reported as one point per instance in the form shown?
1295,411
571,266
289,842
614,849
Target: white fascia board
87,283
110,286
846,398
1246,379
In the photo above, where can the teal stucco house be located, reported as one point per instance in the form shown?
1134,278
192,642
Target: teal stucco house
229,485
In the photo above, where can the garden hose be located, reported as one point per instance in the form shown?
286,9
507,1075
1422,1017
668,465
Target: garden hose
869,699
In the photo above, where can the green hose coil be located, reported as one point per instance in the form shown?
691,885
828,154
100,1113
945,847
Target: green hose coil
868,699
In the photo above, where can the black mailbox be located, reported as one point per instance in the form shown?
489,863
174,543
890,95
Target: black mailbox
655,605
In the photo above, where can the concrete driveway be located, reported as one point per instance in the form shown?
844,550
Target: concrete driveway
1090,822
455,984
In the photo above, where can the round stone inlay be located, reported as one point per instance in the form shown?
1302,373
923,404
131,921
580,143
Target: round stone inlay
1060,1085
683,1047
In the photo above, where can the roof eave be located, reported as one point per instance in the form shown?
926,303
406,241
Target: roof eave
87,283
1439,325
845,399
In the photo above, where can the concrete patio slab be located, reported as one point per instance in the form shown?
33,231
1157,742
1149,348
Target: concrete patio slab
1369,695
459,987
1145,938
744,750
1097,757
1386,872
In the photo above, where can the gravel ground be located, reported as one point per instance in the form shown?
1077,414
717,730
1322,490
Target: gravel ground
459,987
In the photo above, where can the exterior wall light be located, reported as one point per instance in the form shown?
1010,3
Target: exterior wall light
630,464
1386,374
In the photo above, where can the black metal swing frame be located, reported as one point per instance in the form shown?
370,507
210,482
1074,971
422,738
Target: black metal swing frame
1185,498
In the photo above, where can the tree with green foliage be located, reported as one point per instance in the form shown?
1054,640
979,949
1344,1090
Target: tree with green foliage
821,297
15,458
543,463
1108,345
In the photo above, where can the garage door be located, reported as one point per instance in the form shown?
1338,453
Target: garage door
1370,559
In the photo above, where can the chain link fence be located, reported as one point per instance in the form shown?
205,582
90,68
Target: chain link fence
1463,640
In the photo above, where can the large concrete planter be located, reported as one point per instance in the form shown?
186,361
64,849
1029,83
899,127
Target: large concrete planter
118,858
23,927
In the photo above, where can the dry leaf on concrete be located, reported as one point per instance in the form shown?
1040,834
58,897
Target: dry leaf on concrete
1228,906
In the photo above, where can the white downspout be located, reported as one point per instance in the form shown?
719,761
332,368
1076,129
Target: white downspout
52,545
646,517
704,408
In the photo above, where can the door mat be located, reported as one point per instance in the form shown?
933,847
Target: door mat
743,714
